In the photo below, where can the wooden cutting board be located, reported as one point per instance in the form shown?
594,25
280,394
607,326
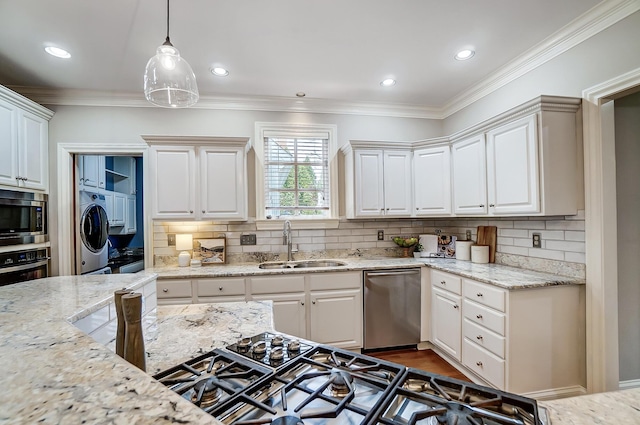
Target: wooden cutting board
488,235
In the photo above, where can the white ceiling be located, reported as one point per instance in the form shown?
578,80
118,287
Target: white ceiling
336,50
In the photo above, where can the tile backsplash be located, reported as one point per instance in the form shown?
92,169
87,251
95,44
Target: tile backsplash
562,249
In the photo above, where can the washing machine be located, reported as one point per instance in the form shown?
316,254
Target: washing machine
94,232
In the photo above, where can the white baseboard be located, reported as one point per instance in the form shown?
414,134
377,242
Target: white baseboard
556,393
625,385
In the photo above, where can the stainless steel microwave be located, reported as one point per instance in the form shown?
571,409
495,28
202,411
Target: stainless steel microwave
23,217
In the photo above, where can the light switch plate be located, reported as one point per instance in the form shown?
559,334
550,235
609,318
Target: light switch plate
171,239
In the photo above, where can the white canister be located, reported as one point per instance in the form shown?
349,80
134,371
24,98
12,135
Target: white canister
463,250
480,254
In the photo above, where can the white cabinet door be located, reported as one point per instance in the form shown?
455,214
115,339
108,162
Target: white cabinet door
432,181
172,179
92,168
369,183
119,209
336,317
289,312
398,187
8,143
469,176
512,168
130,226
446,324
223,182
34,152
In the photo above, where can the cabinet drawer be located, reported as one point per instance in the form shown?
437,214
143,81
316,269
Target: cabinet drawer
483,316
277,284
484,338
219,287
446,281
329,281
487,365
174,288
485,294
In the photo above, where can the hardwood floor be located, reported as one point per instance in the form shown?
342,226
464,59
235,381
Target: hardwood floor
426,360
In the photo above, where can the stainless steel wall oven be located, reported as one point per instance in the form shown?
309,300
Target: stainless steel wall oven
23,218
19,266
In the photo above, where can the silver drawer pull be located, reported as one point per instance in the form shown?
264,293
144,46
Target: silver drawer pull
479,294
455,306
444,282
165,290
301,302
479,364
478,316
220,288
479,337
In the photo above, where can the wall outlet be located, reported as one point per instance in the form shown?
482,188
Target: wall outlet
171,239
380,235
537,240
249,239
468,235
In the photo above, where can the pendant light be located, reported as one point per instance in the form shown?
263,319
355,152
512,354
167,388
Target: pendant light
169,81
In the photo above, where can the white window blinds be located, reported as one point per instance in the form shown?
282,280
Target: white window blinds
296,175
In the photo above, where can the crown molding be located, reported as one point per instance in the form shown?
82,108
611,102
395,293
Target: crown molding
590,23
75,97
580,29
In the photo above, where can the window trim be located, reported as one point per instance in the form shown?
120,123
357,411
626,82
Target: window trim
263,129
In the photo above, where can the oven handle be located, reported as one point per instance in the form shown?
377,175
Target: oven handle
28,266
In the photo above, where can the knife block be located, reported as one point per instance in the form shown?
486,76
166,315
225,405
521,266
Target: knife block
133,339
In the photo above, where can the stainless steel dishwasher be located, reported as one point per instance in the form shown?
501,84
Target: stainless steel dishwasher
391,308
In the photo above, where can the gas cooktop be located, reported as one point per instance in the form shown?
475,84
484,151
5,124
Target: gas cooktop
323,385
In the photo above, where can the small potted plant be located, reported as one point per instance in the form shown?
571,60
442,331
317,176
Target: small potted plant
417,251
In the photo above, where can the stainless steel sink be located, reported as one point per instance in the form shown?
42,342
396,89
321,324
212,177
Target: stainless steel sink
318,263
300,264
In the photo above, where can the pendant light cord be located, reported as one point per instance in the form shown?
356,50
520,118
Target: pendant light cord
167,42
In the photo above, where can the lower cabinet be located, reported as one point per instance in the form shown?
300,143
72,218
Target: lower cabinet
526,341
323,307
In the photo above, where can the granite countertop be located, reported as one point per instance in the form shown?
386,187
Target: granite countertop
495,274
54,373
615,407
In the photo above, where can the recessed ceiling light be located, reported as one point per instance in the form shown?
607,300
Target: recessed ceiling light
388,82
463,55
57,52
219,72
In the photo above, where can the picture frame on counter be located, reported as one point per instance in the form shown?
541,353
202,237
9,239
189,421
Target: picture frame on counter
210,251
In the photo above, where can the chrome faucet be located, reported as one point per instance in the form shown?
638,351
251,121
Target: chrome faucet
287,239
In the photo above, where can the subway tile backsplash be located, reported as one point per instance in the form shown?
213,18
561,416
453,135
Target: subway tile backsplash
562,251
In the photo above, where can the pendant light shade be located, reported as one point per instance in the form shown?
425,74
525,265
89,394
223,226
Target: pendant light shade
169,81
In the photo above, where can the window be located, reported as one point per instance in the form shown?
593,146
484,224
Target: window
297,178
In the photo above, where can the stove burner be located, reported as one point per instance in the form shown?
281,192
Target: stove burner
206,392
293,345
244,344
287,420
341,384
277,354
277,341
260,347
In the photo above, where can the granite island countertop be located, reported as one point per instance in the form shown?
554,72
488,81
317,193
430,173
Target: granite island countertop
495,274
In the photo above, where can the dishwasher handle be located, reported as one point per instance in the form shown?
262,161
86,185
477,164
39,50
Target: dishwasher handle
398,273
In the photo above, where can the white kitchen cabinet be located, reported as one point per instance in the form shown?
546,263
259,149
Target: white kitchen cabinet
289,301
204,179
379,181
130,226
174,291
528,341
446,316
216,290
469,176
24,128
432,181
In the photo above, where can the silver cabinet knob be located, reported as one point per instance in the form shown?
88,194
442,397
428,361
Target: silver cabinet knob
202,211
313,302
479,337
479,294
492,205
479,364
478,316
190,211
455,306
220,288
165,290
481,205
443,282
301,302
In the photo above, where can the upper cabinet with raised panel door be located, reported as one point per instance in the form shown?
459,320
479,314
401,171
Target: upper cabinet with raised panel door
523,162
198,178
24,142
432,181
378,180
